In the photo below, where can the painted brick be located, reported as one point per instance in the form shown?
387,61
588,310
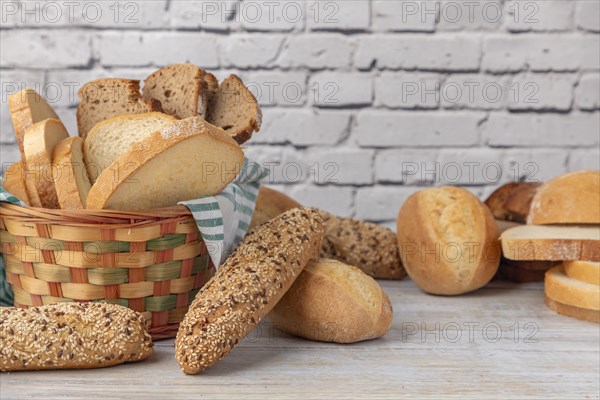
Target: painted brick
469,167
250,51
485,15
533,165
335,199
406,166
269,15
286,89
584,159
407,90
479,92
341,166
587,94
317,51
538,15
541,92
209,15
339,15
404,15
381,203
335,89
586,15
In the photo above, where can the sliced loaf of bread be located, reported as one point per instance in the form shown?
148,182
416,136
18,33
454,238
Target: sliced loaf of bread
27,107
111,138
559,287
180,88
14,181
70,176
105,98
585,271
187,160
234,109
39,142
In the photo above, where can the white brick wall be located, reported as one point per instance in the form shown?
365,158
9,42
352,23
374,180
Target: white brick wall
365,101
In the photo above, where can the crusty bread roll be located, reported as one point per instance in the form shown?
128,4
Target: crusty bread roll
14,181
334,302
185,161
572,311
572,198
71,335
269,204
370,247
70,176
585,271
448,241
552,243
246,287
511,201
39,142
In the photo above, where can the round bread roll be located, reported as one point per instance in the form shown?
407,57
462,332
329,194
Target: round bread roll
334,302
448,241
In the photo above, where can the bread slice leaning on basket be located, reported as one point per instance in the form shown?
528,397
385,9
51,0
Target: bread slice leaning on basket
185,161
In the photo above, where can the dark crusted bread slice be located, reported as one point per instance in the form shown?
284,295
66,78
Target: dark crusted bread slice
105,98
180,88
234,109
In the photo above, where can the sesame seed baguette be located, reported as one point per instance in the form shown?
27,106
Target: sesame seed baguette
71,335
246,287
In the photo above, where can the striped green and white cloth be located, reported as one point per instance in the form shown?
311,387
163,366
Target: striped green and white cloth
222,220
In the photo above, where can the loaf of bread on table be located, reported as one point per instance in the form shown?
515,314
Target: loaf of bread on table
187,160
585,271
105,98
570,296
110,139
572,198
234,109
71,335
246,287
70,176
511,201
27,107
552,243
334,302
448,241
39,142
14,181
180,88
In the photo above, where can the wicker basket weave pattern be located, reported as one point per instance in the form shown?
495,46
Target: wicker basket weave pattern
153,262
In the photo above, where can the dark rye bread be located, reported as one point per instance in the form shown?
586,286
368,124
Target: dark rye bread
370,247
180,88
105,98
71,335
246,287
234,109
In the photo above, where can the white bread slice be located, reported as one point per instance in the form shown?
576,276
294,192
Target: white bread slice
14,181
234,109
27,107
39,142
585,271
180,88
105,98
572,311
187,160
111,138
559,287
572,198
70,176
505,225
552,243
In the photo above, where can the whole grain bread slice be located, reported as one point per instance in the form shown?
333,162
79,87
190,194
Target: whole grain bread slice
39,142
234,109
180,88
187,160
70,175
105,98
28,107
111,138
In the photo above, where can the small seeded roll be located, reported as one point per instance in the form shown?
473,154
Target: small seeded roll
246,287
370,247
71,335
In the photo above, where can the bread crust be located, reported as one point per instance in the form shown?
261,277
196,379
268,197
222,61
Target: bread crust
448,241
334,302
14,181
70,175
572,198
142,152
511,201
246,287
572,311
71,335
584,271
561,288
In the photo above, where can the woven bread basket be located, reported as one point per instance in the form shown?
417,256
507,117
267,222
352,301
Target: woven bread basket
153,261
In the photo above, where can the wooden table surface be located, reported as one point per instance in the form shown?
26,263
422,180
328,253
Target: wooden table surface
499,342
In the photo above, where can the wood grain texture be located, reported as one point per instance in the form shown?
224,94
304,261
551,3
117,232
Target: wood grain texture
560,361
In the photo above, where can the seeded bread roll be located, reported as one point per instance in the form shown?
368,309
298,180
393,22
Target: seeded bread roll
334,302
71,335
246,287
370,247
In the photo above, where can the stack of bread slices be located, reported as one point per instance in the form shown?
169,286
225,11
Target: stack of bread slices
562,227
177,139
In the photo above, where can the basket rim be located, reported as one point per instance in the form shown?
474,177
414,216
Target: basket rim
85,217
